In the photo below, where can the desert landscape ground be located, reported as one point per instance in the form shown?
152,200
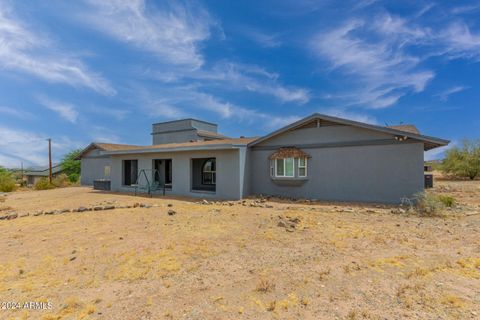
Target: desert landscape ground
172,258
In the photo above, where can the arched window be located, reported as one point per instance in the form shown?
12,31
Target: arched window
209,174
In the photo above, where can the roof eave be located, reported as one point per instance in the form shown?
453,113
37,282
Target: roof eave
176,149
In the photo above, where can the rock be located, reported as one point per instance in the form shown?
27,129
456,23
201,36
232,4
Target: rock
136,204
73,258
147,205
169,205
142,205
205,202
25,214
81,209
171,212
281,224
3,217
97,208
110,207
49,212
12,215
38,213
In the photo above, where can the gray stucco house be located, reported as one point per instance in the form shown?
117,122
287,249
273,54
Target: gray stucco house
319,157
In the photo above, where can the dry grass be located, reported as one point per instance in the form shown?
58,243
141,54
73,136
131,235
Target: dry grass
234,262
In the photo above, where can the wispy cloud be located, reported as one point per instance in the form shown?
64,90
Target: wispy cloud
173,33
264,39
445,94
27,51
16,112
31,148
438,153
460,42
381,68
65,110
466,9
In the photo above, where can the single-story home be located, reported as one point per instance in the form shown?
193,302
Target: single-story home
319,157
34,175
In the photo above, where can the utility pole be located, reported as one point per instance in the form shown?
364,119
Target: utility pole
50,159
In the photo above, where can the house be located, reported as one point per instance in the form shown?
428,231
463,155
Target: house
34,175
318,157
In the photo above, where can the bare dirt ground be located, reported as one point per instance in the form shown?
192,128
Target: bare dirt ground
283,261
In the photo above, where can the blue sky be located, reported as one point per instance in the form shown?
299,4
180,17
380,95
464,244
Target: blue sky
106,70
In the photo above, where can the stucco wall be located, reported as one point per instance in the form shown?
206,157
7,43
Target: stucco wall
367,173
228,176
175,137
93,167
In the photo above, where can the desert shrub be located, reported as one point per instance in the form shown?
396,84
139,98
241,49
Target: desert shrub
7,181
43,184
74,177
448,201
61,181
429,204
463,161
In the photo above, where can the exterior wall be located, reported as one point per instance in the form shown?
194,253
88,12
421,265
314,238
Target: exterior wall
329,134
180,131
175,137
363,172
93,167
228,184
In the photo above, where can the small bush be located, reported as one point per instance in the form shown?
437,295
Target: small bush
447,201
61,181
7,181
74,177
43,184
429,204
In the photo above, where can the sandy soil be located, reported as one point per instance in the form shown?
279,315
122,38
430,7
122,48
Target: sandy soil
290,261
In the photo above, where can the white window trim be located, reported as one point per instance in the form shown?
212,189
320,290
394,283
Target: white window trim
284,167
302,167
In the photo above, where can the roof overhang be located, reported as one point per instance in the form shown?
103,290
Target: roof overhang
175,149
429,142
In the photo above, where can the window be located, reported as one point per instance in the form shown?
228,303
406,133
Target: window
284,167
130,172
209,172
302,167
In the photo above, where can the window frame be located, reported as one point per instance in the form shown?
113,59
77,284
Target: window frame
212,173
304,166
284,168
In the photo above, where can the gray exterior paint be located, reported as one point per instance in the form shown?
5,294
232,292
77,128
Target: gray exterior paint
342,171
228,175
93,167
348,161
180,131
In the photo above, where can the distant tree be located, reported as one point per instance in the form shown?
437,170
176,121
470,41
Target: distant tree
71,166
463,161
7,181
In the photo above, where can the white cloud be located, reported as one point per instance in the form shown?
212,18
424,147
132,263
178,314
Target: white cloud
438,153
16,112
380,71
24,50
445,94
460,42
65,110
173,33
263,39
31,148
